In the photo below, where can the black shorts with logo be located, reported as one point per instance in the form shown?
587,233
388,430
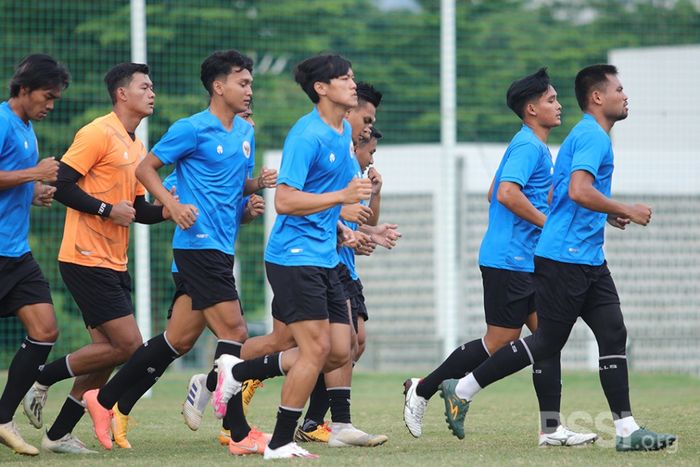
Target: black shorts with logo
102,294
181,290
21,283
207,276
353,292
303,293
509,297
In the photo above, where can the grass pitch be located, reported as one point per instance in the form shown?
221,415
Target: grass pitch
501,426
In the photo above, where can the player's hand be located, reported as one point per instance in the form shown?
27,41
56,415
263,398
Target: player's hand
639,214
255,207
166,211
365,245
357,190
46,170
184,215
43,195
386,235
356,213
346,236
376,178
267,178
618,222
123,213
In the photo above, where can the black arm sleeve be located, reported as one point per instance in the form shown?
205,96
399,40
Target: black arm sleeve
70,194
147,213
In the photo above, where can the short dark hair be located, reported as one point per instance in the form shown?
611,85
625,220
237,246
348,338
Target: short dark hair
367,93
39,71
221,63
323,68
526,90
590,78
121,75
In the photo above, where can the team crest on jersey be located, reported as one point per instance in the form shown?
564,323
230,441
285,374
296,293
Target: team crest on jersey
26,144
219,149
331,157
246,149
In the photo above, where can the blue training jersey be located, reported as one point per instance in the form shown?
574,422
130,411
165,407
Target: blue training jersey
572,233
315,159
346,254
509,242
212,165
18,151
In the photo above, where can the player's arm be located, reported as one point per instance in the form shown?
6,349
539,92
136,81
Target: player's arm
375,201
489,195
511,196
147,213
46,171
266,179
583,193
293,202
254,208
43,195
384,235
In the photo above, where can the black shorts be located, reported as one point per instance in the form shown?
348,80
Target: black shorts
353,292
21,284
564,291
509,297
207,276
102,294
303,293
180,290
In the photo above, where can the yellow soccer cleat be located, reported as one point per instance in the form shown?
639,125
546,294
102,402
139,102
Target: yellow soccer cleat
320,434
224,437
120,425
249,388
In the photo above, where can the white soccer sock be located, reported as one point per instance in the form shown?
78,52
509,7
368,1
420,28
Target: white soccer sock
625,426
467,387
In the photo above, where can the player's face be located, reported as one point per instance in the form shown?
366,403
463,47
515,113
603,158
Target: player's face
548,109
614,100
247,115
237,90
365,153
38,103
140,96
361,119
343,90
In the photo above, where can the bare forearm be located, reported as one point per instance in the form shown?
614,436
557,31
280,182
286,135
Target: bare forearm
252,185
148,176
590,198
375,204
518,204
298,203
13,178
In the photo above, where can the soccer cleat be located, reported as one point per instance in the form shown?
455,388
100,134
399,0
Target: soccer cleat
68,444
226,384
288,451
249,387
120,425
413,407
34,402
198,397
644,440
563,436
345,435
456,408
320,434
10,437
101,418
254,443
224,437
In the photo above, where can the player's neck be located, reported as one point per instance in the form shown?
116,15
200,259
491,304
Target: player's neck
129,119
332,113
17,108
222,112
540,131
604,122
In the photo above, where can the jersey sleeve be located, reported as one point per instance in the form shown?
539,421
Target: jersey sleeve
4,128
297,156
589,151
88,147
520,165
251,159
179,141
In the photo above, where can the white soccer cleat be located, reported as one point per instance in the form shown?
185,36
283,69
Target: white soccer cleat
69,444
10,437
226,385
345,435
198,397
413,408
288,451
34,402
565,437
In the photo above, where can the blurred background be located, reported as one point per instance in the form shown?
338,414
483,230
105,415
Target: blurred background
396,46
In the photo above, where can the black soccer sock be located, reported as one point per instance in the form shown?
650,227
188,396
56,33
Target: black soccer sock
69,416
614,379
506,361
339,401
222,347
260,368
131,397
21,375
460,362
546,378
154,354
284,428
56,371
318,405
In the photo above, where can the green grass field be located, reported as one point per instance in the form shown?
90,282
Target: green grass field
501,426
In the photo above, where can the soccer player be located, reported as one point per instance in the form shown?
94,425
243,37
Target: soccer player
316,177
213,155
522,184
37,83
97,182
571,275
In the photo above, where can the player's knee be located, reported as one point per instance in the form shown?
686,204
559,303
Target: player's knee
44,334
613,340
338,356
123,350
182,345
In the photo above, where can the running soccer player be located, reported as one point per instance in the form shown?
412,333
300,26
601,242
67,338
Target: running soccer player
37,83
97,182
571,274
522,184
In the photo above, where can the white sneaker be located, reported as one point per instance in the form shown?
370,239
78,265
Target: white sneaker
68,444
226,385
345,434
10,437
413,408
34,402
565,437
198,397
288,451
